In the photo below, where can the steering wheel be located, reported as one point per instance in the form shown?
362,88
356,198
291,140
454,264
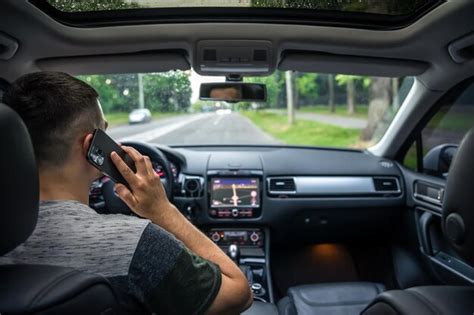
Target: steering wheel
113,203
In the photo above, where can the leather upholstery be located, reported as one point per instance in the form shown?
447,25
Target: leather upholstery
427,300
19,182
261,308
36,289
458,214
329,298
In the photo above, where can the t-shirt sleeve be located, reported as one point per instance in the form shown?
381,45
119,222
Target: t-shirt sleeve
167,278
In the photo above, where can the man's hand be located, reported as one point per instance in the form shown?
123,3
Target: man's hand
147,198
147,195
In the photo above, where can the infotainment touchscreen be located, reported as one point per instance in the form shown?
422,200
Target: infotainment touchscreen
235,192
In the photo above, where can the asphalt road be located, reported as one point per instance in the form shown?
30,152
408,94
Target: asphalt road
203,128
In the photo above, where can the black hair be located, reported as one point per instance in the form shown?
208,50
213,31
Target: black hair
56,108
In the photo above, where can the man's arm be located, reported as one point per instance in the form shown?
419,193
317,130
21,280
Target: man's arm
147,198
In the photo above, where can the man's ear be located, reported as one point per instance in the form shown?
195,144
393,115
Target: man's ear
86,143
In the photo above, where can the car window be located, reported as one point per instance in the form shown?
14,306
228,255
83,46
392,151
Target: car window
442,134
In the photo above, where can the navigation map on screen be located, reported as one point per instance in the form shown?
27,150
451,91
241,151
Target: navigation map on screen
235,192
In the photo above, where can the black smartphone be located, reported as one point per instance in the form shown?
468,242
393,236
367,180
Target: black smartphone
99,155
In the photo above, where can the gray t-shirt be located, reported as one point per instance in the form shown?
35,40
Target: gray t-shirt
149,269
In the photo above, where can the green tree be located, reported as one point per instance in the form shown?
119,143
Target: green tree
91,5
114,91
391,7
349,82
170,91
307,85
167,92
275,85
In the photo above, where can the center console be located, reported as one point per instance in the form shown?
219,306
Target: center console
234,197
248,247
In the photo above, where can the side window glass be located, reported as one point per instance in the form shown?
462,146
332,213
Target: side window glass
440,138
443,133
411,159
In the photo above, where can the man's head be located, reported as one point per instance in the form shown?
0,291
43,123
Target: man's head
226,93
59,111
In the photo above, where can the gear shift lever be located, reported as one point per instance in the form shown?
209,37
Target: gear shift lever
234,253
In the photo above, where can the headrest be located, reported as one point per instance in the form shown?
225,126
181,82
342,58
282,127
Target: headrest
458,203
19,183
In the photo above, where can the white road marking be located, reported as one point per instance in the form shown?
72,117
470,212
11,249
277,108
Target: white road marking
161,131
218,120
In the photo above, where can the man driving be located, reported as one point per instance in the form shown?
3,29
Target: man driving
159,264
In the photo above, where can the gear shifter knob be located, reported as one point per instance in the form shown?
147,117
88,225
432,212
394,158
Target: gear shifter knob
234,253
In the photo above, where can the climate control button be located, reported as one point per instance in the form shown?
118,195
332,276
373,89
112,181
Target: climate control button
215,237
254,237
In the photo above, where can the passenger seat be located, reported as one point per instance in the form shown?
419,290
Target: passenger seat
345,298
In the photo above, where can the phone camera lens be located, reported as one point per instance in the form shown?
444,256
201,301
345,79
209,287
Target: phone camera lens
98,159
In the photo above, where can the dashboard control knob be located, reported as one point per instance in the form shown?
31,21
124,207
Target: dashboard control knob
254,237
215,237
235,213
256,288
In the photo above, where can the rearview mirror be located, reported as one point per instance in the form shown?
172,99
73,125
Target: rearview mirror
233,92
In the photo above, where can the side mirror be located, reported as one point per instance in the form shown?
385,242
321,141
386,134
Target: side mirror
233,92
438,160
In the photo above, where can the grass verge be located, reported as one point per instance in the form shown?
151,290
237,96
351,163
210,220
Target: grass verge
304,132
361,111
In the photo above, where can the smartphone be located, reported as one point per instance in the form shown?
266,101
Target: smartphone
99,155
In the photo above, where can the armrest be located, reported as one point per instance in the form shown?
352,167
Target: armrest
424,301
261,308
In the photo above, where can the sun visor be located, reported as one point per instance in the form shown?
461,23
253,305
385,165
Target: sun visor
143,62
346,64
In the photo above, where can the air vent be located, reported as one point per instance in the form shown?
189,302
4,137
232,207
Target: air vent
282,185
192,187
386,185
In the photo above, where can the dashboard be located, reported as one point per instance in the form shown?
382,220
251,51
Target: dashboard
160,171
297,192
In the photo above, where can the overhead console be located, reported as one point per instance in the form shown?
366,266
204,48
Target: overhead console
237,57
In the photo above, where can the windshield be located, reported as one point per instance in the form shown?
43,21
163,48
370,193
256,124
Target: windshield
308,109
